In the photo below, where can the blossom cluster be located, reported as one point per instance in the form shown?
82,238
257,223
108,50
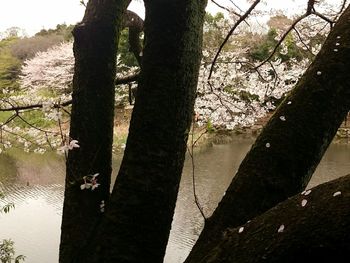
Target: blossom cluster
238,93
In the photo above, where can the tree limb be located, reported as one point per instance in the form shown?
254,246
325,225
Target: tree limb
312,226
239,21
135,25
288,150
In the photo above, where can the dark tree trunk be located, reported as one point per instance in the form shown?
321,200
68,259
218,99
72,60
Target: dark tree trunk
135,25
95,42
138,216
285,155
291,232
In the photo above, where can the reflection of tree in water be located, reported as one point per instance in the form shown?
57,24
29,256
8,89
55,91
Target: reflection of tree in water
8,169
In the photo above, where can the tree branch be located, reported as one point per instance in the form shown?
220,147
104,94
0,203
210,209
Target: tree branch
239,21
310,227
118,81
135,25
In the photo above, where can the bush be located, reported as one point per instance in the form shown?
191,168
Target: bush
27,47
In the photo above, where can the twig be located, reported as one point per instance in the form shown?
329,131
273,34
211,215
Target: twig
199,206
239,21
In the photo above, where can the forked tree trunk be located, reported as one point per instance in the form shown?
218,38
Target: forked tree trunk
285,155
95,42
138,216
309,227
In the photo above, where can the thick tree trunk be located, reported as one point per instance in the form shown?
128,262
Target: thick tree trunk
310,227
95,42
138,216
285,155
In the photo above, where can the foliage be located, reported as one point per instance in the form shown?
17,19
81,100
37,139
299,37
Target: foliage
264,47
214,29
240,91
125,57
26,48
61,30
7,252
9,65
9,70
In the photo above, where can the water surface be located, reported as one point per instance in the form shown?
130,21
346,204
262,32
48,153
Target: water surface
35,184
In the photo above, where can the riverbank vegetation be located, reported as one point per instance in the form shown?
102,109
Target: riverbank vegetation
243,87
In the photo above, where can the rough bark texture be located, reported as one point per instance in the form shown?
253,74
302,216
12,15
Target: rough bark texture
135,25
138,216
284,156
291,232
95,42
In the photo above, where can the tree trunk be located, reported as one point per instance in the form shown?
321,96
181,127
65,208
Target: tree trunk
135,25
138,217
95,43
310,227
285,155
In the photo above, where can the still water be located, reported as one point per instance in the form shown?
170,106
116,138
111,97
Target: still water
35,184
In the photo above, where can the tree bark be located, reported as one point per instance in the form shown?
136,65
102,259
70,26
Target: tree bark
135,25
95,44
291,232
138,216
285,155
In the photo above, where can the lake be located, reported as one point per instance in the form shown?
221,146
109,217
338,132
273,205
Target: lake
35,184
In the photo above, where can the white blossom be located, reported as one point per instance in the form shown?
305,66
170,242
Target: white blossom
280,229
337,193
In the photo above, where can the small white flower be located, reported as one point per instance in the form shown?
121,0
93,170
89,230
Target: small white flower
102,206
280,229
319,73
268,145
303,202
307,192
240,230
282,118
337,44
337,193
335,50
338,37
93,186
289,102
73,144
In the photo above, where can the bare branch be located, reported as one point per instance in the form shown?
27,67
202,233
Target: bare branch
127,79
35,106
282,39
239,21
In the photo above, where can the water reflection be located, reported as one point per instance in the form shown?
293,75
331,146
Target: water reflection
35,184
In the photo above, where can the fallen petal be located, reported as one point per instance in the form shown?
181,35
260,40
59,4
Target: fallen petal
337,193
303,202
281,229
307,192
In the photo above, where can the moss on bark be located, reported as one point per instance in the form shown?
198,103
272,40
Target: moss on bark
95,42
